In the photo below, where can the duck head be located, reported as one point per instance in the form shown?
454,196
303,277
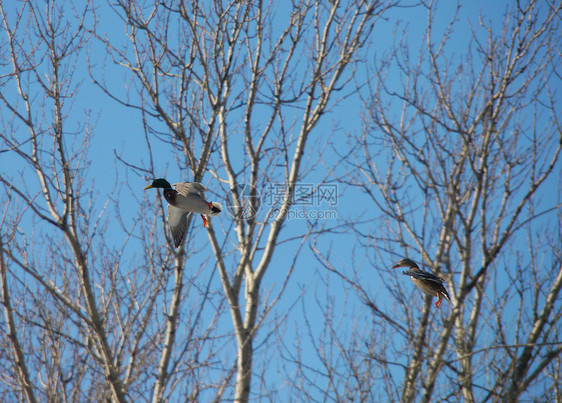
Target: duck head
159,183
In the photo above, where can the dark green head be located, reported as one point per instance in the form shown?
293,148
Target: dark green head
159,183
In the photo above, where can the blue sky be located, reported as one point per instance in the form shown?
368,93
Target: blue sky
118,131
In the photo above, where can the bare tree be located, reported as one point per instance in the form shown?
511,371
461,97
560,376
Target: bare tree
97,304
231,89
42,85
81,317
237,88
462,157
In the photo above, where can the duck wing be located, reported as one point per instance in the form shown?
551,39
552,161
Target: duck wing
177,220
423,275
190,188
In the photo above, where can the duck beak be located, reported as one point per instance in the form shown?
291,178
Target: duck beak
149,187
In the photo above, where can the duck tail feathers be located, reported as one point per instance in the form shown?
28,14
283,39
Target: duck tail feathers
445,295
215,210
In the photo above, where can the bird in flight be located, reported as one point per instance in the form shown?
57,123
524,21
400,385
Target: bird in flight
185,198
427,282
